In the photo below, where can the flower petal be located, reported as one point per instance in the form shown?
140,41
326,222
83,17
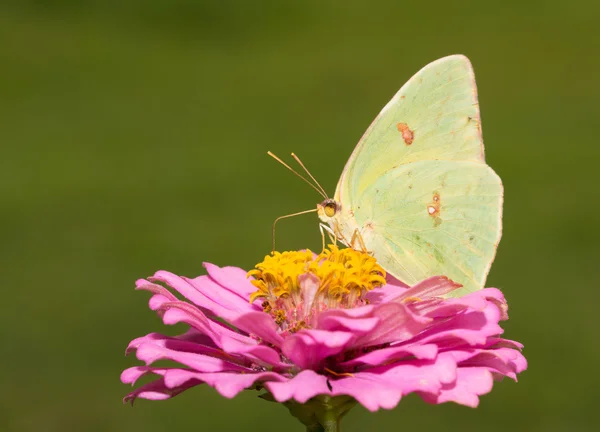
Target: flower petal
383,387
255,351
259,324
304,386
470,383
371,390
152,352
211,335
392,354
471,328
476,301
309,347
182,312
436,286
227,384
233,279
396,323
502,361
221,296
193,291
340,320
202,343
155,390
392,289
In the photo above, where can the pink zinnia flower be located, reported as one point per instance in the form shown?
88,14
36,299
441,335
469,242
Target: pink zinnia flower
325,328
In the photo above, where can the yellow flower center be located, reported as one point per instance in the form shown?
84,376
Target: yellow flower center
297,285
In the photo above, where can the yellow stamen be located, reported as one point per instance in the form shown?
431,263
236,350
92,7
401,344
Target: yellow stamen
279,316
298,284
278,274
267,306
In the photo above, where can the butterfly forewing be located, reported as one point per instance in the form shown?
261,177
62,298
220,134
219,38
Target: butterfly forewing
435,115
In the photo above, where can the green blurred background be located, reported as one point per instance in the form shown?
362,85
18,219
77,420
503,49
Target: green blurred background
133,137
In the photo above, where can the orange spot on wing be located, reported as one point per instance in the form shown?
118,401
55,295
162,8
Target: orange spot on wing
434,207
407,135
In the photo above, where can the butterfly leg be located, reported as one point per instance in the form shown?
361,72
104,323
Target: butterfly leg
339,235
332,237
356,236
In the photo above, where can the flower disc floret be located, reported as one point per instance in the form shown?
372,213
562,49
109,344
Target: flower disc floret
296,286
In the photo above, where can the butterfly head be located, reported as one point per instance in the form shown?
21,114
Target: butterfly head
327,209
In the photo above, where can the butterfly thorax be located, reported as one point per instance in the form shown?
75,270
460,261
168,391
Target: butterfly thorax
340,220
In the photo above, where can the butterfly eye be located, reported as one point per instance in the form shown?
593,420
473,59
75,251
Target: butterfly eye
330,209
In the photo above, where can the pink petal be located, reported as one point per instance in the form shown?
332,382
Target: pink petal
392,354
392,289
152,352
470,383
157,300
182,312
199,342
304,386
309,347
155,390
452,306
472,328
233,279
504,361
309,285
261,325
391,280
339,320
370,390
227,384
175,380
132,374
383,387
436,286
397,323
191,292
222,296
493,342
256,351
418,375
495,296
143,284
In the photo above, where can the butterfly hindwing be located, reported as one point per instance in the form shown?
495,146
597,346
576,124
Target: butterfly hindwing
434,218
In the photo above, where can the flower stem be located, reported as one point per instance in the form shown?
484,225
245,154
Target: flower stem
327,423
322,413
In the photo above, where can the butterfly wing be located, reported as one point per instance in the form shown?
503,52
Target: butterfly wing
435,115
426,141
434,218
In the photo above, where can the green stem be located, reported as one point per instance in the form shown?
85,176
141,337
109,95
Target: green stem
320,414
334,427
329,420
327,423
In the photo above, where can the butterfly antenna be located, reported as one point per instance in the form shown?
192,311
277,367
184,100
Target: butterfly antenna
288,216
310,175
320,191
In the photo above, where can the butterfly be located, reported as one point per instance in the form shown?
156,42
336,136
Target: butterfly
416,192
